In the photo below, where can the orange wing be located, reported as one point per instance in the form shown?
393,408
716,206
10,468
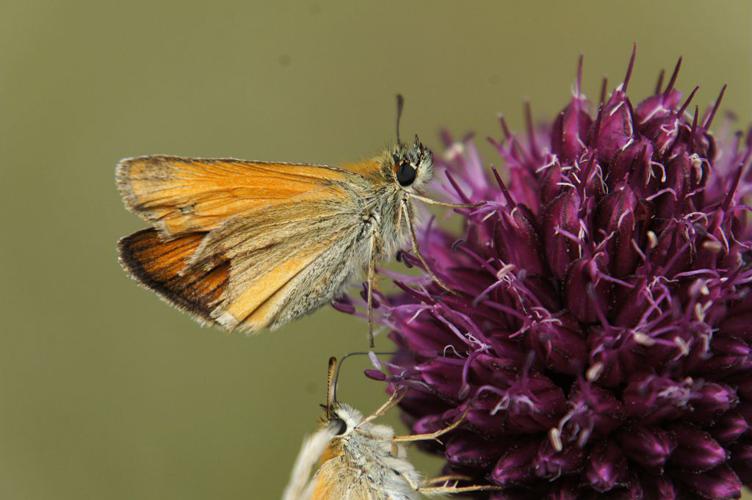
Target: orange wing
256,297
336,478
234,240
161,265
180,195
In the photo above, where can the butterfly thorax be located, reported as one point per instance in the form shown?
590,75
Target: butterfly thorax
365,456
391,178
383,216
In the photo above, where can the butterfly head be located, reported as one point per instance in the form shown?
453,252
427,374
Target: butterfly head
340,417
343,418
412,165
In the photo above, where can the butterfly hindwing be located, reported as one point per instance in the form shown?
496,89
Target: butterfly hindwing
161,265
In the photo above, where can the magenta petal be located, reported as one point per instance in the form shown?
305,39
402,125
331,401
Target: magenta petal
696,451
657,108
711,400
343,304
728,355
564,489
595,412
443,375
617,216
551,179
516,464
519,242
739,325
465,449
741,459
717,484
481,416
569,131
659,487
607,467
421,333
586,293
744,389
729,428
550,463
648,446
375,374
560,221
631,166
561,349
655,399
615,130
676,186
534,405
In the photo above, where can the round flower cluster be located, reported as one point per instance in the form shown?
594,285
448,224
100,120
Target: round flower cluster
598,338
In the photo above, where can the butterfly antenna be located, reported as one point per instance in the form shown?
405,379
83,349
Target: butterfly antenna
331,384
400,105
336,368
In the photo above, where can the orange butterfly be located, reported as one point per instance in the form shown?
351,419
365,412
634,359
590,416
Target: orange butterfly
250,245
361,460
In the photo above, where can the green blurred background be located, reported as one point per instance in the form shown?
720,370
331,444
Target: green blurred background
105,392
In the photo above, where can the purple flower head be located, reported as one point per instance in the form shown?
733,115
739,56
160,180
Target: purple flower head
599,336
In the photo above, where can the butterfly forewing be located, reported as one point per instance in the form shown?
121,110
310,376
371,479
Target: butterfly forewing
248,245
181,195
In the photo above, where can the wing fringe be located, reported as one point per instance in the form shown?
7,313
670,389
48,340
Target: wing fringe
161,265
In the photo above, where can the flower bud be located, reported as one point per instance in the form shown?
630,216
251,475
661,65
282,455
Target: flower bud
516,464
718,483
696,451
648,446
560,223
607,467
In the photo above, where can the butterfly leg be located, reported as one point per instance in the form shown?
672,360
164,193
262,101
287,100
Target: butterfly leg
454,490
444,479
446,490
431,435
429,201
393,401
416,250
371,279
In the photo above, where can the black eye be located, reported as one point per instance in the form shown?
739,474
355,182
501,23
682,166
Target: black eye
341,425
405,174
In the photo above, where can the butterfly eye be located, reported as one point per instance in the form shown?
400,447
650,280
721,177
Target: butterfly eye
341,426
405,174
